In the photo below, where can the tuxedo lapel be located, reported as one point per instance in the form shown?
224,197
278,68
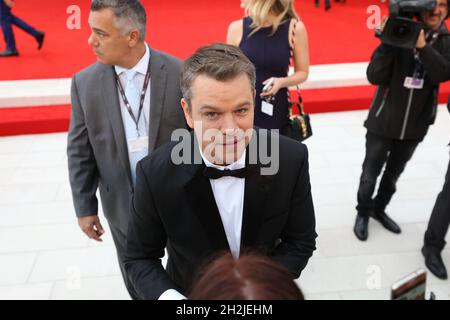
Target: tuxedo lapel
257,188
203,204
256,191
158,76
112,108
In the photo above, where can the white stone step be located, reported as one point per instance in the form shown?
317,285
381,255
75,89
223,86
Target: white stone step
45,92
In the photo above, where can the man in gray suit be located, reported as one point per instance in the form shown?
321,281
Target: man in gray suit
123,107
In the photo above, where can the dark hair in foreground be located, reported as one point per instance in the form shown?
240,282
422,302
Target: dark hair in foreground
219,61
251,277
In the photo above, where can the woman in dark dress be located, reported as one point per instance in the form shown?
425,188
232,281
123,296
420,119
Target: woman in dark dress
267,35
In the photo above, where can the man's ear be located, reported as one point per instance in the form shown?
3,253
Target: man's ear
133,37
187,113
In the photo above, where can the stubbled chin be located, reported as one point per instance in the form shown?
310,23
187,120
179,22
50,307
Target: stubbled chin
435,25
225,155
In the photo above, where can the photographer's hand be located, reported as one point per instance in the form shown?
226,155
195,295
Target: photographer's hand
421,40
9,3
380,28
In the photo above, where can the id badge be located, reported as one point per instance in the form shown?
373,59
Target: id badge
138,144
413,83
267,108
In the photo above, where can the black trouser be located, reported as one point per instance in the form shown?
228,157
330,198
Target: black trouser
440,217
120,243
381,151
327,3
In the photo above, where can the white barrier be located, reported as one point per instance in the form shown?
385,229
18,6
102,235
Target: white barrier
30,93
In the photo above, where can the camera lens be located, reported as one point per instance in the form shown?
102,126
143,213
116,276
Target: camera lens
401,30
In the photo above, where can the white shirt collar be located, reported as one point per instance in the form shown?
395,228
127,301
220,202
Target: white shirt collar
239,164
141,67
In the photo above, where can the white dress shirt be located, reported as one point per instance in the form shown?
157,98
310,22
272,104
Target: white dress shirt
141,68
229,195
128,123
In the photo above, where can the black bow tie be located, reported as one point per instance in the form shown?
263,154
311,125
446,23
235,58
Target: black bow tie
213,173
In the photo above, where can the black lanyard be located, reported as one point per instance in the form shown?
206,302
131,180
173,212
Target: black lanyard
141,104
419,70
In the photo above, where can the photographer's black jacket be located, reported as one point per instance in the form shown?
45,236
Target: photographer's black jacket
397,112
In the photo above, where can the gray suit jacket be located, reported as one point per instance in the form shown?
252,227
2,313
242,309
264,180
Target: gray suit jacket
97,149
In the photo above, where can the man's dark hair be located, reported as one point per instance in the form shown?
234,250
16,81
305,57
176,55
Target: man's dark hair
129,14
219,61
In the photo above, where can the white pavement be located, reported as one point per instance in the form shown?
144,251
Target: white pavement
43,254
48,92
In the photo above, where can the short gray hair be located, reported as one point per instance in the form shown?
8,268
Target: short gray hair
219,61
128,13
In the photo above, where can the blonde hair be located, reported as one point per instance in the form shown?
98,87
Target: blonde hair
260,10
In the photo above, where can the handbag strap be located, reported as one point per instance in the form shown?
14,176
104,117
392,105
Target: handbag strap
299,104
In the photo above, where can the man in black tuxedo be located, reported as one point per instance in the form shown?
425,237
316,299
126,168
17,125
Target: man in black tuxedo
197,199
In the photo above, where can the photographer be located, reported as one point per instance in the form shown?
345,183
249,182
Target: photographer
404,105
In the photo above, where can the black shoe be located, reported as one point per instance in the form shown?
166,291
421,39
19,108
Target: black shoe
387,222
9,53
361,228
434,263
40,39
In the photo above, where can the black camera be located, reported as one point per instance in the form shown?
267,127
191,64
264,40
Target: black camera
401,30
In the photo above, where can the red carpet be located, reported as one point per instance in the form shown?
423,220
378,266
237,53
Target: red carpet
179,27
15,121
